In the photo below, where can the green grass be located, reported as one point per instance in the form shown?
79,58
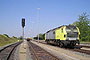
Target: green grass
4,40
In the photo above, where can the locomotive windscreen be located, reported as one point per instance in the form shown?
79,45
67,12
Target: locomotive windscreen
71,31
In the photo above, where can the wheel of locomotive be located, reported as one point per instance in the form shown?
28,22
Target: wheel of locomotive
47,41
72,44
61,45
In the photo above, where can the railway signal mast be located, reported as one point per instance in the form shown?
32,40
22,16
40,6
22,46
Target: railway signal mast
23,25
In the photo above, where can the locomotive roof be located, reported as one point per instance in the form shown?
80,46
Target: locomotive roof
60,27
54,29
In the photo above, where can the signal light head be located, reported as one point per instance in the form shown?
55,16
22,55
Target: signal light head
23,22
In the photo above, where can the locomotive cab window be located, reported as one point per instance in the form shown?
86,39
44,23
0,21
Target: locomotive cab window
54,32
75,30
62,30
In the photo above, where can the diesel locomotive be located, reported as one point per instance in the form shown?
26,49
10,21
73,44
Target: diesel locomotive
64,36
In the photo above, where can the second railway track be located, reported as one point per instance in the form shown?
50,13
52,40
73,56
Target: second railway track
76,50
40,54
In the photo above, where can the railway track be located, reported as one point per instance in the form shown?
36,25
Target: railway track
7,53
76,50
40,54
82,51
85,46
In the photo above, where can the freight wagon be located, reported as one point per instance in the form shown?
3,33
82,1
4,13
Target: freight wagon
64,36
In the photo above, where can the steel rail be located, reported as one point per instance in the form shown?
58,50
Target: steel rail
13,46
76,49
34,52
8,57
54,57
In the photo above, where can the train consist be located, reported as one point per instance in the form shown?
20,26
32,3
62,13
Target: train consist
64,36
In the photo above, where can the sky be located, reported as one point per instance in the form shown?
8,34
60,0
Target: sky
53,13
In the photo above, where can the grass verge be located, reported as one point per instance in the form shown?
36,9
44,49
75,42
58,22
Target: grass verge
4,40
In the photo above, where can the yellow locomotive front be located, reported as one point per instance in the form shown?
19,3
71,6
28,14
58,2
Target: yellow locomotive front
72,35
